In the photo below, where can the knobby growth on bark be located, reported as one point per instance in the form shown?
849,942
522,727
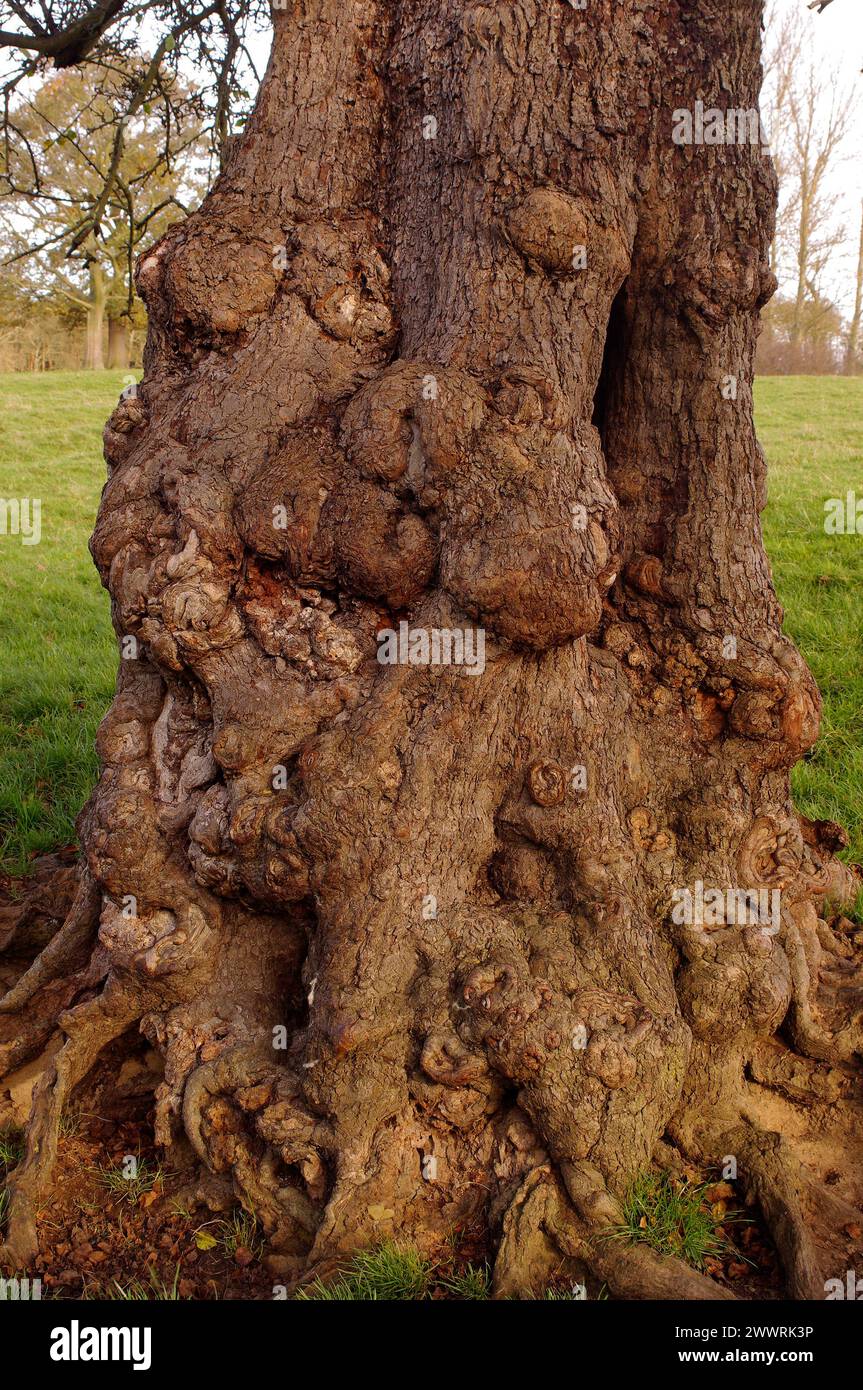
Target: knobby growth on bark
498,376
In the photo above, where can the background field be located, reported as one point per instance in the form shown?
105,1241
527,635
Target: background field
58,655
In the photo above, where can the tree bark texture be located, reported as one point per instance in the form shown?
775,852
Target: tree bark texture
485,384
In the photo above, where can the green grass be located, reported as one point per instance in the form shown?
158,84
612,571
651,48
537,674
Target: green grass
398,1273
58,655
672,1217
392,1273
240,1231
11,1149
811,430
470,1284
11,1153
57,651
130,1189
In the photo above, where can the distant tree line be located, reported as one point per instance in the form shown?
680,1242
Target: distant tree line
811,116
115,116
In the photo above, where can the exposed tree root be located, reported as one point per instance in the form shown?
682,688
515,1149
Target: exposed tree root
88,1028
629,1271
773,1176
66,950
553,1226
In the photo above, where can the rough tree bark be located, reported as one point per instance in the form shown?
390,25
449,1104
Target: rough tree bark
434,406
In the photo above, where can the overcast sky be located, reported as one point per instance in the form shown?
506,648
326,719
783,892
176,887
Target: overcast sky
837,33
837,46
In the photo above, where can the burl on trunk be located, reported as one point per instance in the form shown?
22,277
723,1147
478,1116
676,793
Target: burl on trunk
462,339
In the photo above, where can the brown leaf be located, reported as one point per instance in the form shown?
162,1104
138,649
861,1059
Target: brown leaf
719,1192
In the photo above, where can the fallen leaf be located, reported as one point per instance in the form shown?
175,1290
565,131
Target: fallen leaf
205,1241
719,1191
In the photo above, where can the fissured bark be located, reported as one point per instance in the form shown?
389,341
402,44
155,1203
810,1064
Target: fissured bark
461,338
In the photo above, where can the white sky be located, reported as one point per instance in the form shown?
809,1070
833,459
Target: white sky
837,33
836,44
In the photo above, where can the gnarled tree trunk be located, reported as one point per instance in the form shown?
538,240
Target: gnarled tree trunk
463,338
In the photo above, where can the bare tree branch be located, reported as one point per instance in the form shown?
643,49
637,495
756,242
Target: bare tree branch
67,46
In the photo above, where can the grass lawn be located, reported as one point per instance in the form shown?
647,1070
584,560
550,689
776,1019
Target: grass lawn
811,429
58,655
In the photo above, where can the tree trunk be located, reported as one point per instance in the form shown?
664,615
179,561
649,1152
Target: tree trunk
803,225
95,360
461,338
852,346
118,343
